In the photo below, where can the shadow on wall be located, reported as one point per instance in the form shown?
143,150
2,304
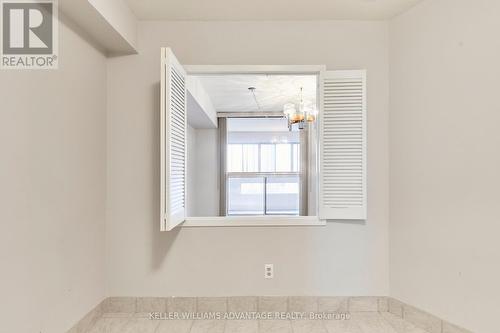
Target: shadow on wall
162,241
354,222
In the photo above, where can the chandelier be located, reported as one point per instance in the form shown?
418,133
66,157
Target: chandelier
303,113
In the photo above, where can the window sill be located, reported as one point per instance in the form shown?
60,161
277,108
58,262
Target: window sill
253,221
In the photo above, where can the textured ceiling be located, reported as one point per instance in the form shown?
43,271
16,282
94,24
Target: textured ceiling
234,10
256,125
229,93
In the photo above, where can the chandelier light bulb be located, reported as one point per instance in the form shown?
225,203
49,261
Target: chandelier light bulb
304,111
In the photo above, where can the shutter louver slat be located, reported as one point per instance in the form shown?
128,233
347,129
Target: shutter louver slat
343,145
177,142
173,144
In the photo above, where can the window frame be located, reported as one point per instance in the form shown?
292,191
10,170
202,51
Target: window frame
266,220
259,156
263,174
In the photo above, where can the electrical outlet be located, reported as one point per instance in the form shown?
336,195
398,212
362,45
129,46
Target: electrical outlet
268,271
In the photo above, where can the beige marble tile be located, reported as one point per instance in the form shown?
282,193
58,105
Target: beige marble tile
119,304
308,326
151,304
372,322
363,304
211,304
242,326
383,304
140,325
242,304
450,328
342,326
395,307
302,304
400,325
110,325
273,304
208,326
174,326
131,315
333,304
181,304
275,326
421,319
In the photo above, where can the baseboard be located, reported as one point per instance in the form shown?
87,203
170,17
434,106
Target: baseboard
246,304
422,319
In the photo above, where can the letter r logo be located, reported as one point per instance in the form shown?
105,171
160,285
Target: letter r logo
27,27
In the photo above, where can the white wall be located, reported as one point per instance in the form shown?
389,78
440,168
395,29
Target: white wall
200,110
191,171
445,160
119,15
52,190
202,172
206,188
339,259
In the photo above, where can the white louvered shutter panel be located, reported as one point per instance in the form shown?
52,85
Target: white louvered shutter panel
173,141
343,145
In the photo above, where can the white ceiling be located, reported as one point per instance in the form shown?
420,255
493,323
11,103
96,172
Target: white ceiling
234,10
255,125
229,93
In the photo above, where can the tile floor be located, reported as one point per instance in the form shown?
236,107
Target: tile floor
360,322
